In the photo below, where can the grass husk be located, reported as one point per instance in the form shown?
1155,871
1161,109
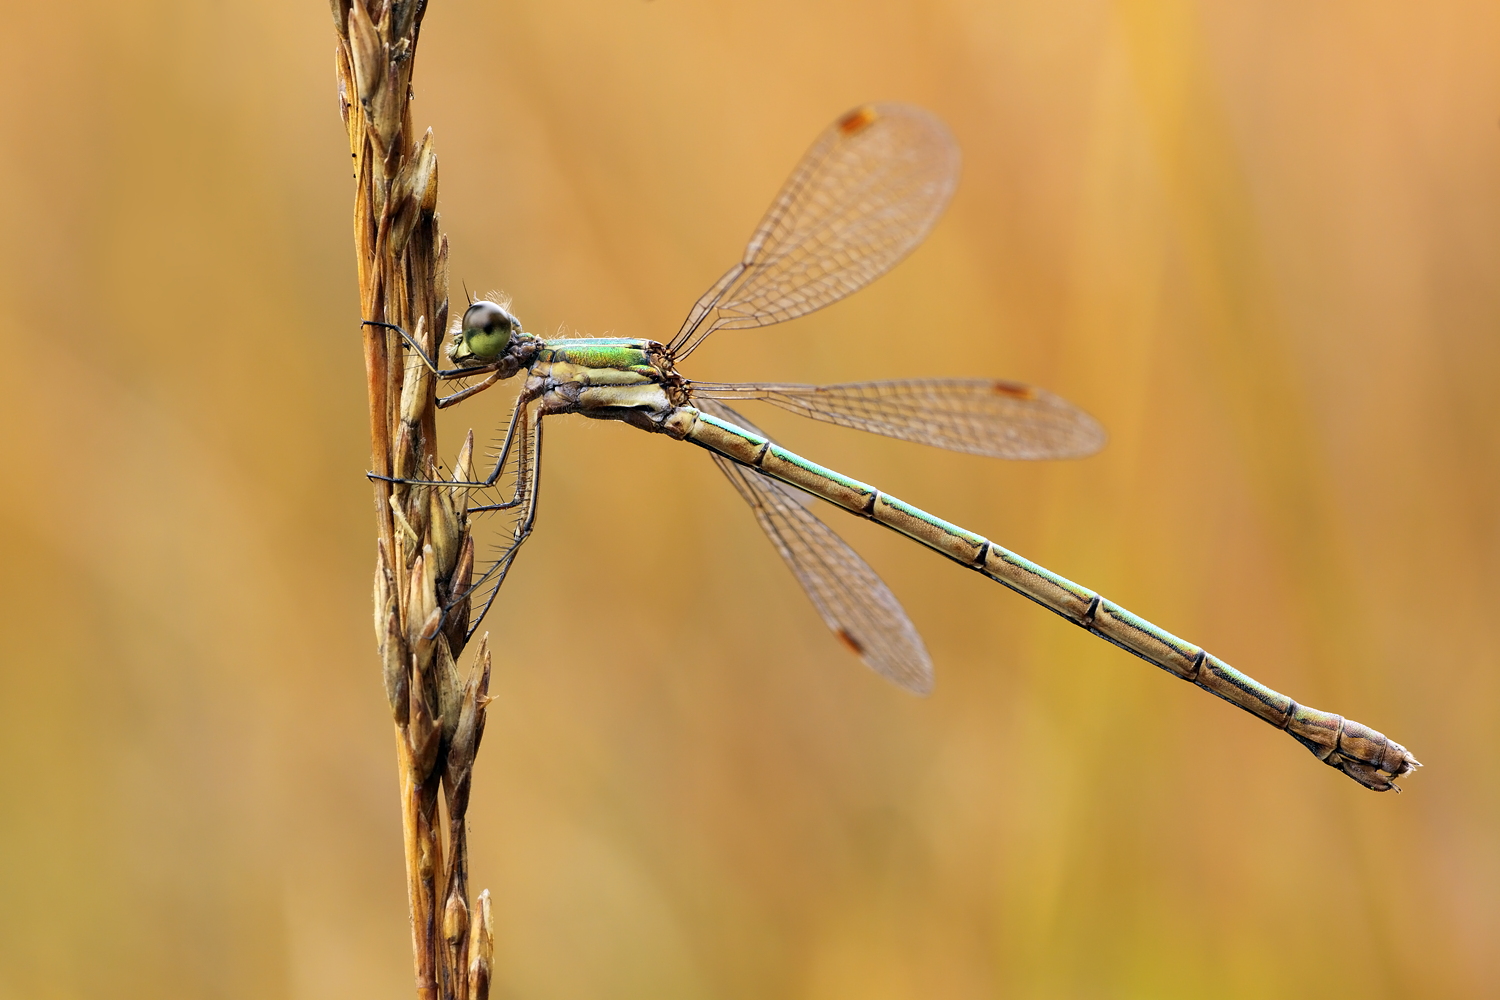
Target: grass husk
424,552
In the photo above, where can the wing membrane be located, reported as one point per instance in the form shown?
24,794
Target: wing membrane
852,600
862,197
978,416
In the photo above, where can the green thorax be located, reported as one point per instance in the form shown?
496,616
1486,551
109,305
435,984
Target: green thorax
637,357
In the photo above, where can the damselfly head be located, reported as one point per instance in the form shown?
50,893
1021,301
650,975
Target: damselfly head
486,333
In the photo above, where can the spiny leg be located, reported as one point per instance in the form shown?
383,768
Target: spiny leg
516,421
443,402
528,476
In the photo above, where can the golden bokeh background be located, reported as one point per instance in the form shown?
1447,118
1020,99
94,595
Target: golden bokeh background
1261,242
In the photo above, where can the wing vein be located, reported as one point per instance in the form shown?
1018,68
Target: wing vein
849,596
866,193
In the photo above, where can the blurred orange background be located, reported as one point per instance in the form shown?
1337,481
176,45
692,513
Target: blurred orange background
1259,242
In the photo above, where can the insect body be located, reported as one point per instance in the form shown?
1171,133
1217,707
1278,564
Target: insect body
864,195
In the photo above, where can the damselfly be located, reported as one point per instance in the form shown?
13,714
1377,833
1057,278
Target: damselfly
865,194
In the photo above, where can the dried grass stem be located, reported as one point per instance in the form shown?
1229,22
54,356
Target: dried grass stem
424,552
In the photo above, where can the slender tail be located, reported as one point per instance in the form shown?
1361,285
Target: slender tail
1369,757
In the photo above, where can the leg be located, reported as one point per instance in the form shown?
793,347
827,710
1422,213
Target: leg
528,476
528,457
427,359
444,402
517,419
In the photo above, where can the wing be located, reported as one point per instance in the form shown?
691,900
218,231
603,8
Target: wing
852,600
862,197
978,416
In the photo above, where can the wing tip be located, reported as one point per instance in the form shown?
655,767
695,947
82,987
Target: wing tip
920,686
917,680
853,122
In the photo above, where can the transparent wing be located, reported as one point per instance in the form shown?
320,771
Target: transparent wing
852,600
978,416
862,197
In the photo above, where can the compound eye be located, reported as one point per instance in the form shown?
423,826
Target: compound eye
487,330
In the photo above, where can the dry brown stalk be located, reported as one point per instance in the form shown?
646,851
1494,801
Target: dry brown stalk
425,554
